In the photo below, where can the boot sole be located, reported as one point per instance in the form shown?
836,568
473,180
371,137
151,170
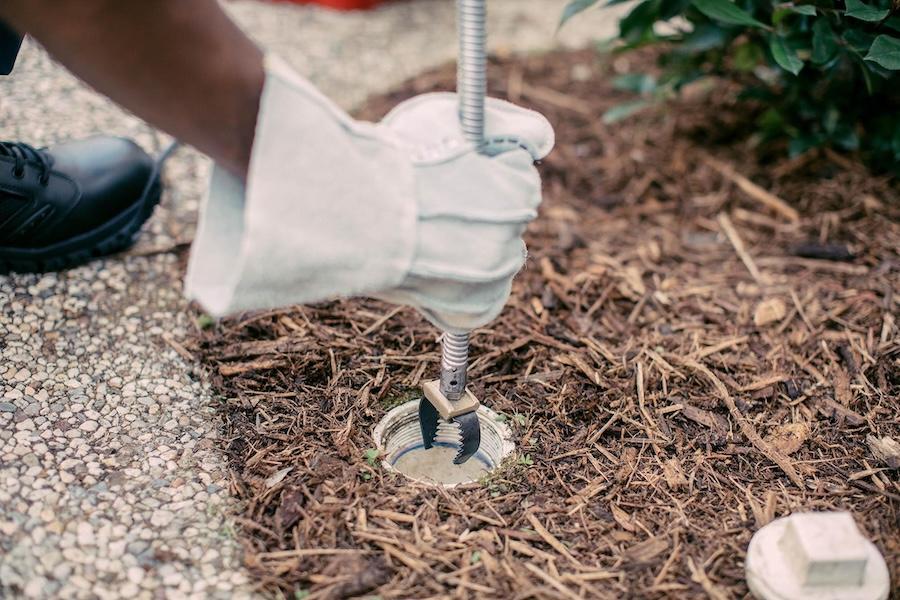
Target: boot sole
113,236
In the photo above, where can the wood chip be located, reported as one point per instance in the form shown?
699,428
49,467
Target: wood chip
886,450
263,364
700,576
674,474
553,582
738,245
769,311
754,191
647,550
550,539
622,518
789,438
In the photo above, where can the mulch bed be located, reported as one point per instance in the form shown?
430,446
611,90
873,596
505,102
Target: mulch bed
703,340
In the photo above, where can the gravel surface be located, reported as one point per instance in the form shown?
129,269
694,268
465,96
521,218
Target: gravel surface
111,482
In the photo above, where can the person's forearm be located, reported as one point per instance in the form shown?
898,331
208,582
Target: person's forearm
182,65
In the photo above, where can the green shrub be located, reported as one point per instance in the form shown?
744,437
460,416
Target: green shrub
827,71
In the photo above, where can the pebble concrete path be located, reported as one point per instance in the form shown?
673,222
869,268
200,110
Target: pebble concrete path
111,480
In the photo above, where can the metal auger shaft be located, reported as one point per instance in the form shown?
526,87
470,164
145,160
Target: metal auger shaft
448,397
471,86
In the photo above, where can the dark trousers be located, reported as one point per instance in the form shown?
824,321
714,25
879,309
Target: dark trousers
9,48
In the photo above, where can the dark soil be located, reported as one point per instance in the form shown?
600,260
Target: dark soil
680,361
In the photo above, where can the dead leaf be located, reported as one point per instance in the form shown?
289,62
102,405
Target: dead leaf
276,477
622,518
787,439
885,449
769,311
647,550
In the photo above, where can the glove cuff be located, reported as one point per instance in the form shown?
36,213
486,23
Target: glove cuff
328,209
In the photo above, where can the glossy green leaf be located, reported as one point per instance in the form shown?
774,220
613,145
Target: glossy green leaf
726,12
859,40
885,51
804,9
893,23
779,14
625,110
639,83
785,56
704,37
574,7
672,8
864,12
824,42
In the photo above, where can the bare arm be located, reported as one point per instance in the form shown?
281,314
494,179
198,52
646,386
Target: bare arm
181,65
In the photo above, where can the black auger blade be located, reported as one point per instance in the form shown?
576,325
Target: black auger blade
428,421
469,436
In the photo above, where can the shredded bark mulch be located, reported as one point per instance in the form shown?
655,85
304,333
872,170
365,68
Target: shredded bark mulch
703,340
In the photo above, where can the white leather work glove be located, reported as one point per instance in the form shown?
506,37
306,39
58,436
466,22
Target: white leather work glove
404,210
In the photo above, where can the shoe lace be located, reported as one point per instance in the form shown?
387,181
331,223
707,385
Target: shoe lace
21,153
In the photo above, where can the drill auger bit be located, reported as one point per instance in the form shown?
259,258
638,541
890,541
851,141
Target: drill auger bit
461,413
467,424
469,436
428,421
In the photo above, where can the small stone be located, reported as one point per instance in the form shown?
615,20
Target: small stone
8,407
34,588
135,575
75,555
85,534
8,528
129,590
161,518
89,426
137,547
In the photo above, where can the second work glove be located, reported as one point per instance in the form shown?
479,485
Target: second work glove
405,210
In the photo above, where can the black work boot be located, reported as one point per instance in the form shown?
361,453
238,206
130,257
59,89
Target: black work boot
62,206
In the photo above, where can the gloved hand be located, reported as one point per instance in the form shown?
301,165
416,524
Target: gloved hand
405,210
